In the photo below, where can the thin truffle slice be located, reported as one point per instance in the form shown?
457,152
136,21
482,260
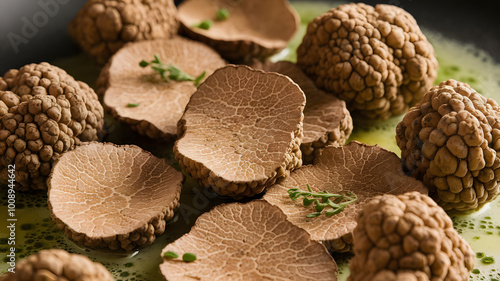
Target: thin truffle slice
326,118
56,264
254,28
159,103
252,241
107,196
241,131
364,170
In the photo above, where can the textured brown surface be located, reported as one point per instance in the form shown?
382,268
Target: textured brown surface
241,131
252,241
161,103
326,118
367,171
43,112
254,29
451,141
107,196
102,27
55,264
374,58
408,237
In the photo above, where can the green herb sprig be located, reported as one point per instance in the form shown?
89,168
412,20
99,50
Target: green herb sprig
186,257
333,203
222,14
206,24
170,72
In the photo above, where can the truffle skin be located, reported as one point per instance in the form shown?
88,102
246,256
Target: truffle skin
102,27
408,237
450,141
56,264
43,113
374,58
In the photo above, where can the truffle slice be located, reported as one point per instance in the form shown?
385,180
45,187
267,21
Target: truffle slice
408,237
254,28
160,103
252,241
451,141
55,264
364,170
326,118
107,196
44,112
374,58
102,27
241,131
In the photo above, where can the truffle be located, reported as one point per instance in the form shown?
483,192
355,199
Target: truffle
374,58
408,237
450,141
44,112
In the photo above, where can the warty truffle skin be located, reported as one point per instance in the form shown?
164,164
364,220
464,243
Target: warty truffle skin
451,141
374,58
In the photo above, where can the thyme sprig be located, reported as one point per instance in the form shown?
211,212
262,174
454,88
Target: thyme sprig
333,203
170,72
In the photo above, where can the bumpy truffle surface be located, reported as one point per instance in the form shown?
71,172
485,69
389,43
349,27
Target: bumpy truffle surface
102,27
374,58
43,113
451,141
408,237
55,264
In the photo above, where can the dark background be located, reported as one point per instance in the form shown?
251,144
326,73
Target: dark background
476,22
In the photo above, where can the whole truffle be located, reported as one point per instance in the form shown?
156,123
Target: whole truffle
43,113
450,141
55,264
374,58
102,27
408,237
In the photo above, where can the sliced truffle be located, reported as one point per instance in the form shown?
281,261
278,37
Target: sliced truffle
102,27
254,28
56,264
241,131
326,118
44,112
374,58
252,241
451,141
117,197
160,103
408,237
364,170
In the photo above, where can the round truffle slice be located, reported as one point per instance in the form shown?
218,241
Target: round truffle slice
326,118
252,29
140,97
56,264
451,141
241,131
408,237
117,197
102,27
364,170
252,241
375,58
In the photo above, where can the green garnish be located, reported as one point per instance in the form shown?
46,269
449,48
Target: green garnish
206,24
488,260
479,255
222,14
171,72
313,198
170,255
189,257
133,104
476,271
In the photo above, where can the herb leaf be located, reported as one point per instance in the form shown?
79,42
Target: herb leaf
133,104
169,71
222,14
189,257
206,24
170,255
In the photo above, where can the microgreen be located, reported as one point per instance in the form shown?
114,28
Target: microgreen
170,255
331,203
133,104
189,257
206,24
170,72
222,14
